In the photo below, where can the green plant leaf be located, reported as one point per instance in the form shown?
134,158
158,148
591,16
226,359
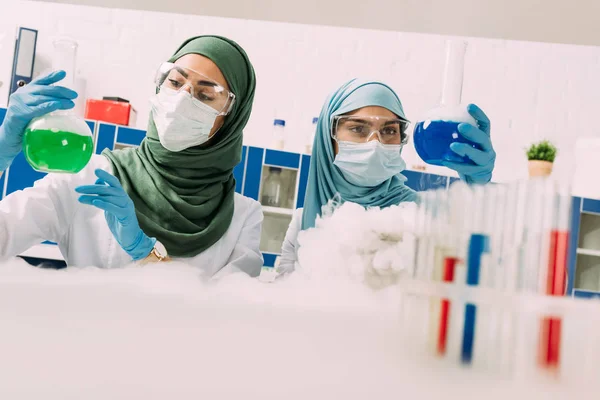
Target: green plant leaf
543,151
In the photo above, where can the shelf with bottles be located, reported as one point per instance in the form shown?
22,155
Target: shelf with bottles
278,189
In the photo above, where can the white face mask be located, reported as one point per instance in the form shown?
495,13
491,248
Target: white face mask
181,121
369,164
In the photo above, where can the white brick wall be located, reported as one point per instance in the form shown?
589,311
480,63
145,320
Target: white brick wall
530,90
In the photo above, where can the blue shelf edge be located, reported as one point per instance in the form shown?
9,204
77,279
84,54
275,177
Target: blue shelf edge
586,294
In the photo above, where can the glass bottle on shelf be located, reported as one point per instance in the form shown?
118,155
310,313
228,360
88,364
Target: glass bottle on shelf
311,136
272,189
278,135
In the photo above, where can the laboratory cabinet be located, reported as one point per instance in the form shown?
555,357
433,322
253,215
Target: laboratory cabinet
584,253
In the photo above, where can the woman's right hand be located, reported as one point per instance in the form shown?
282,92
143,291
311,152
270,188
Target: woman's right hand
31,101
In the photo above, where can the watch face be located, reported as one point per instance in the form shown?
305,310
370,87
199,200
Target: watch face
160,249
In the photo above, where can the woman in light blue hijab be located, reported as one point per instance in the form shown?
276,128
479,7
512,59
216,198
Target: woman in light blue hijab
357,156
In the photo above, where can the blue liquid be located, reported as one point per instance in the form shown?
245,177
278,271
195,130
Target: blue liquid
478,246
433,142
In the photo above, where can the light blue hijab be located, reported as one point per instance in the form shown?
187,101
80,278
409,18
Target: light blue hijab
325,180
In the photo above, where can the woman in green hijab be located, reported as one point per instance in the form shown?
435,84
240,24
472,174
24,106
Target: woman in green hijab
171,198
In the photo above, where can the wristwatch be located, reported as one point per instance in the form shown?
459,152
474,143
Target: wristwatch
157,254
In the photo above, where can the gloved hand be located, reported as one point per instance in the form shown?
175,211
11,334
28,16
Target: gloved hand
31,101
483,159
108,195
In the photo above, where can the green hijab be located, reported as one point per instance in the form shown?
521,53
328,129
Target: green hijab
186,199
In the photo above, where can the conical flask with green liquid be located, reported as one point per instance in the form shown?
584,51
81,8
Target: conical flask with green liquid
59,141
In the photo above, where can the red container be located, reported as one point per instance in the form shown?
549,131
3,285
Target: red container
115,112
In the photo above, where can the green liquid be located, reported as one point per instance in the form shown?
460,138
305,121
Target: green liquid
57,151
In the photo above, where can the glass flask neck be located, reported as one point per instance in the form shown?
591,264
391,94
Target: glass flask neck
453,72
65,52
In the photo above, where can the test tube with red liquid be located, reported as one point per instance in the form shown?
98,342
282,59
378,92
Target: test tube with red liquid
555,279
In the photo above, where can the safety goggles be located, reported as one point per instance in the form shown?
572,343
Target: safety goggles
201,87
360,129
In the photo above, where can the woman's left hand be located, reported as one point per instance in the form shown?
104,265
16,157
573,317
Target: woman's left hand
483,159
108,195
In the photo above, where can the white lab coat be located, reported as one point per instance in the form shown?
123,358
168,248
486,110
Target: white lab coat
50,211
288,261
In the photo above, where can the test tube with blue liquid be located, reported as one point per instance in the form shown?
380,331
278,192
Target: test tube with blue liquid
478,246
454,220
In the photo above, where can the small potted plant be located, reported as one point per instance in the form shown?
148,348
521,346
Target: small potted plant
541,158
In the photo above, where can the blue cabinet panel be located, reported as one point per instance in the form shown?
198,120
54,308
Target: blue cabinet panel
592,206
253,172
21,175
92,126
269,259
282,159
130,136
238,171
303,183
573,242
105,137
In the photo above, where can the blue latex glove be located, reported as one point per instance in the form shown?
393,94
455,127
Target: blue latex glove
33,100
484,159
108,195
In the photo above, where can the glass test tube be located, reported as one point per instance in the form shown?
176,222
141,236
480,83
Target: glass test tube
478,245
452,206
553,273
